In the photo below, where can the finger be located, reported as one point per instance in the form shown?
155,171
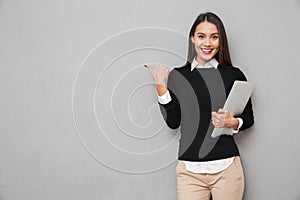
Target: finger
149,68
219,116
215,119
214,115
221,110
227,113
219,126
214,122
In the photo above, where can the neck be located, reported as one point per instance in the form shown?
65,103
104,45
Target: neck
201,62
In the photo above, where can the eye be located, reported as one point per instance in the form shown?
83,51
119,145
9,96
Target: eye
201,36
215,37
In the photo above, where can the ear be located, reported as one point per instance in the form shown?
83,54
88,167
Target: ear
192,39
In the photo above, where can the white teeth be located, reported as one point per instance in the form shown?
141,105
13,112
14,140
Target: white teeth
206,50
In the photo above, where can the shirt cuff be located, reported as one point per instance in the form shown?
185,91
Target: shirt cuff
165,98
240,124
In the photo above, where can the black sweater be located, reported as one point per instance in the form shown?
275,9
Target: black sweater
191,107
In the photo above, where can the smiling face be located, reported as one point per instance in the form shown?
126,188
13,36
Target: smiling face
206,42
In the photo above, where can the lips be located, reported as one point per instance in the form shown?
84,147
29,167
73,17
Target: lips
206,50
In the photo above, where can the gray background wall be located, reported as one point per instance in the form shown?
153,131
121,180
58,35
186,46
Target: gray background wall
79,117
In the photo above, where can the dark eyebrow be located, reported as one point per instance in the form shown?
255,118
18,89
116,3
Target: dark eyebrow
204,33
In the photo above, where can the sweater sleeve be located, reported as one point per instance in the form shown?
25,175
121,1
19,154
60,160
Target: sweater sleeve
171,111
247,114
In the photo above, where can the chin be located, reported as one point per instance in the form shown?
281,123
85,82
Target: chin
207,58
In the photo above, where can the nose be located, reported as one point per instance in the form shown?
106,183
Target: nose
207,41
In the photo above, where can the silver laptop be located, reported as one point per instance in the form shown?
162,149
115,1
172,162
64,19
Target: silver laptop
235,103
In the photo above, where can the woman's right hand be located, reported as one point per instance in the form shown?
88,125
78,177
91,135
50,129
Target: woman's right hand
160,75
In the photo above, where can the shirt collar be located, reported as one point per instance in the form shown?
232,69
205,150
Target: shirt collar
212,63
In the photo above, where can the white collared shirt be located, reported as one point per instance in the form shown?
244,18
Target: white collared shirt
212,63
213,166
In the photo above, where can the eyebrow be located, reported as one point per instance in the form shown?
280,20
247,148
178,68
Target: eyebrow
205,34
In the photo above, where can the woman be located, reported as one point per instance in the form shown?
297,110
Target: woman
191,97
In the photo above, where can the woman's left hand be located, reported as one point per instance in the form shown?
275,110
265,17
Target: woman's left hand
223,118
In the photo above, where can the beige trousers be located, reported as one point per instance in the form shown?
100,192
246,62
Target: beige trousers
225,185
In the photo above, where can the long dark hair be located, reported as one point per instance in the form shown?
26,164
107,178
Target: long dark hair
222,56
